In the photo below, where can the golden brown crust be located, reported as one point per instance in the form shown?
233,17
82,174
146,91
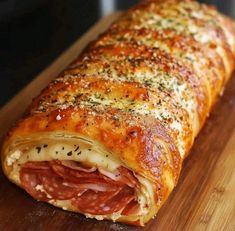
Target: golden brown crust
143,89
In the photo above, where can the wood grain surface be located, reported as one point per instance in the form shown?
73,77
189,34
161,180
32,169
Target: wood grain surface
204,198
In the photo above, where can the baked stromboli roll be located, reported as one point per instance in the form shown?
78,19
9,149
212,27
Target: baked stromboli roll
108,136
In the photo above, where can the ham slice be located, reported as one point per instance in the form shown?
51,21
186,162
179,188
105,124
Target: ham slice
91,190
74,165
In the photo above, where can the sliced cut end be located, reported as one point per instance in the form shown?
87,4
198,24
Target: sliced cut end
78,174
88,189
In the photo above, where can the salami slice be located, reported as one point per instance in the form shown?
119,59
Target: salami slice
42,165
30,181
104,203
132,208
58,188
121,200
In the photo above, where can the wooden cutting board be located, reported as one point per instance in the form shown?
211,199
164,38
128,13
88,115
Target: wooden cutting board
204,198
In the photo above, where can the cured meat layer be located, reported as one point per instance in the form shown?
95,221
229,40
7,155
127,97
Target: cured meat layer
88,189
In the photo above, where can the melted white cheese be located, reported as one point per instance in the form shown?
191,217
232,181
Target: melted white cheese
77,149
